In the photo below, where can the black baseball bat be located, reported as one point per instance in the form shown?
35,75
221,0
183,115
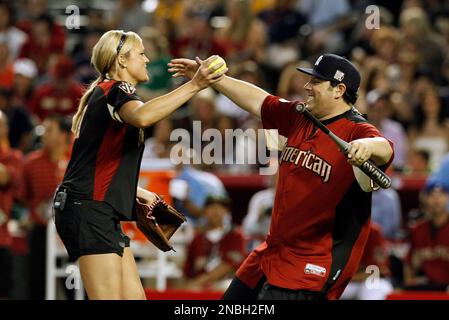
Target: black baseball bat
369,168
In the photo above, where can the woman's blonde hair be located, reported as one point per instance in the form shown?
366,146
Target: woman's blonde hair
104,55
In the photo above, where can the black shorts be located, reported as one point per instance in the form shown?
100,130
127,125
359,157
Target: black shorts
90,227
270,292
238,290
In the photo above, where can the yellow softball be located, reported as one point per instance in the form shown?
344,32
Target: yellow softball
215,62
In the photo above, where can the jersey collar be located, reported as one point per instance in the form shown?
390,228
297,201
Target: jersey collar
346,114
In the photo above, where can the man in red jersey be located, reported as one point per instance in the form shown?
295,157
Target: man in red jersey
217,248
429,252
321,215
59,96
371,282
43,171
11,186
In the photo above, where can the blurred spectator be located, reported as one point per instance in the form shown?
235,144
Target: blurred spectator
84,72
169,19
442,172
257,221
422,83
386,42
405,94
417,29
172,10
60,96
216,250
226,126
377,79
19,122
200,185
201,112
360,36
291,82
282,22
42,42
36,13
192,186
387,213
10,189
157,50
374,263
427,265
240,147
245,34
9,34
418,163
430,132
159,145
25,72
97,20
18,227
416,215
30,9
43,171
6,67
199,39
327,25
408,68
379,114
129,16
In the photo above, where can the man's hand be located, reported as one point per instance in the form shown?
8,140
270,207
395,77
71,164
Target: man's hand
360,152
376,149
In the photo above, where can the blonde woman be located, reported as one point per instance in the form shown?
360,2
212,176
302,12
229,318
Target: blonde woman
100,185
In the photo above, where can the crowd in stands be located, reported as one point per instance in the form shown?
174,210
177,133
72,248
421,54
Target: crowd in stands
404,62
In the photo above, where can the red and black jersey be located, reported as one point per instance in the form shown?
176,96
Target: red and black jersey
106,156
320,219
429,251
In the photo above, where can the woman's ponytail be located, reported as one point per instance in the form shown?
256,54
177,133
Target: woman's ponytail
78,117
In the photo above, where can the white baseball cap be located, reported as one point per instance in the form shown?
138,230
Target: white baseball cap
25,67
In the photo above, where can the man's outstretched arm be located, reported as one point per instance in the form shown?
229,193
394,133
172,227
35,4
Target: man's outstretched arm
246,95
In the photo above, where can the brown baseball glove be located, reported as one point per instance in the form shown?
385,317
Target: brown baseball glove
158,221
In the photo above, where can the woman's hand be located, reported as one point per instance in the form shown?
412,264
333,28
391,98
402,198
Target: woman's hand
146,196
199,71
183,67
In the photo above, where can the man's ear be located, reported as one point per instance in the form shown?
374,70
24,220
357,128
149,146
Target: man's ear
340,90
